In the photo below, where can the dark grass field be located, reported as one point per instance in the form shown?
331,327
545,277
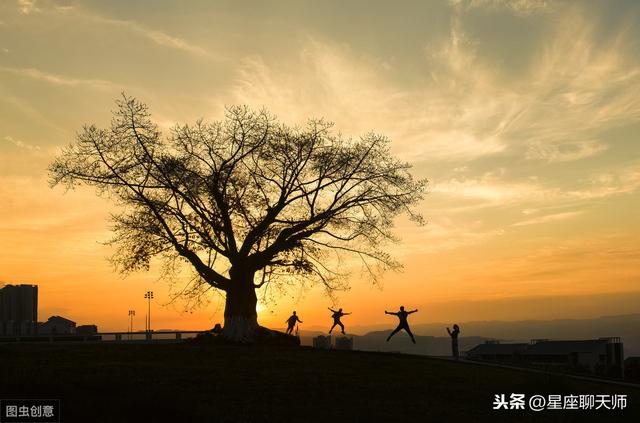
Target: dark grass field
211,383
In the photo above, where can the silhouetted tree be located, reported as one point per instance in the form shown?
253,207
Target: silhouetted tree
247,201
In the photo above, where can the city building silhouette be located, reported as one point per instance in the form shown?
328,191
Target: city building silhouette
344,343
19,310
87,330
602,356
57,325
322,342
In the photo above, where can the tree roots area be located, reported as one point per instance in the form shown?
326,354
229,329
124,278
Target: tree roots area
218,382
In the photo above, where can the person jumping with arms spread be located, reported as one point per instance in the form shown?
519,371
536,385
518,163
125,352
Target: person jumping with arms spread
291,322
402,315
336,319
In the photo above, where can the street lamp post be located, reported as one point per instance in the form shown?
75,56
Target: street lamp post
149,296
131,314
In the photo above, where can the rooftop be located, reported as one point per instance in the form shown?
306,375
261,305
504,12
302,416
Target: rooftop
565,347
499,349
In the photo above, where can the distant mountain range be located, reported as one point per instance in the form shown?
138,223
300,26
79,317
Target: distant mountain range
433,340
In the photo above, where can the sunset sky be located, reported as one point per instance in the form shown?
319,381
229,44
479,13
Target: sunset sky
523,115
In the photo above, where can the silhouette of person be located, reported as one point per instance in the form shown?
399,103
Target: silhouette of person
404,324
336,319
291,322
454,340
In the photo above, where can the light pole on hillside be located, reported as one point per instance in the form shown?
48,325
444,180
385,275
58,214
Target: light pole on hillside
131,314
149,296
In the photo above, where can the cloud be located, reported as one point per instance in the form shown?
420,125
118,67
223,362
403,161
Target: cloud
327,82
517,7
564,152
577,86
54,79
21,144
27,7
34,115
156,36
472,114
492,189
444,235
430,122
498,190
621,181
548,218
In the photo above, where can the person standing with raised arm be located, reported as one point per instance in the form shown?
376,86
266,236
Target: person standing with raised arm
291,322
404,324
336,319
454,340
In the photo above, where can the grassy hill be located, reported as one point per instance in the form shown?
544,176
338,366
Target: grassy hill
209,383
425,345
624,326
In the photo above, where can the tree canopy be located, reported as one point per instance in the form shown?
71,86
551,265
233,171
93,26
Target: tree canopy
247,201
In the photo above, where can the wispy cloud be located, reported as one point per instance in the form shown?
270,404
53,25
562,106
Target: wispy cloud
625,180
54,79
495,189
327,82
564,152
156,36
518,7
21,144
492,189
27,7
469,110
34,116
444,235
577,87
548,218
580,87
430,122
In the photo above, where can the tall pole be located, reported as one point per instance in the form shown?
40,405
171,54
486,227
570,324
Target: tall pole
131,314
149,296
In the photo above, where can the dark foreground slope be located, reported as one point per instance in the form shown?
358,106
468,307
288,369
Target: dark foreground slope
181,383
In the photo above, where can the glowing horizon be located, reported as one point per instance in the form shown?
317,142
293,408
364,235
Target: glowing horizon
523,116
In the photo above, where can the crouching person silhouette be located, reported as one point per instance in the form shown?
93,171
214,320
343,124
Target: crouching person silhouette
404,324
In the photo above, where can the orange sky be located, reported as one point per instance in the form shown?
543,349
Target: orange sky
522,115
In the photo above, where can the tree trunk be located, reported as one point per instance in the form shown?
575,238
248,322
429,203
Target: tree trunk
240,315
